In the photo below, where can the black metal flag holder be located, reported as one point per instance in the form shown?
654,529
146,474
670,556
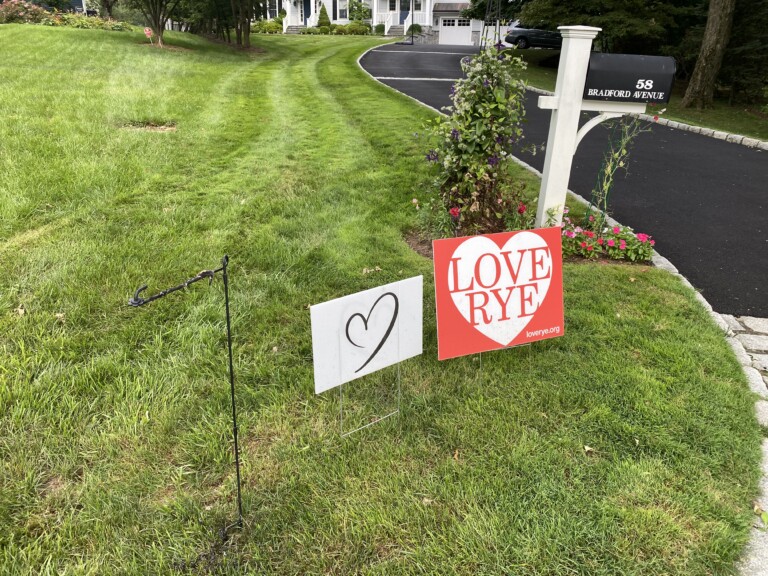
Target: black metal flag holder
137,301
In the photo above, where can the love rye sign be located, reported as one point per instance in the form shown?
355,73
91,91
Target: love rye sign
498,290
364,332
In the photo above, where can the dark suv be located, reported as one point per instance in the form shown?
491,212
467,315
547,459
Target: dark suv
527,37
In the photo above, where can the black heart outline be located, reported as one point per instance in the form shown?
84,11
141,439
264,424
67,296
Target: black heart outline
365,323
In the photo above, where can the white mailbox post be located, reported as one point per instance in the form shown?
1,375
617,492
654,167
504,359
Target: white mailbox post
567,105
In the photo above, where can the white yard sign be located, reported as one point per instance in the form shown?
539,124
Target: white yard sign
365,332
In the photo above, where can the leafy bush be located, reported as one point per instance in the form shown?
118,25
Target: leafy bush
323,19
614,242
309,30
340,29
21,12
81,21
325,29
358,28
379,29
413,28
267,27
473,144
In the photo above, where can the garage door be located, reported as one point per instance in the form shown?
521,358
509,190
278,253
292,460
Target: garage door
455,31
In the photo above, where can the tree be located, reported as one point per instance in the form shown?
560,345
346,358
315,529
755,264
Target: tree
323,19
358,11
717,33
503,9
156,13
108,6
745,63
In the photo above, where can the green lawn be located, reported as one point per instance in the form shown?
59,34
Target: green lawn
627,446
737,119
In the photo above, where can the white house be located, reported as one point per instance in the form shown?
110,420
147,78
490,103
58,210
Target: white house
442,18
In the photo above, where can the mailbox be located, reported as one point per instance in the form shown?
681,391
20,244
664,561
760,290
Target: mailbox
629,78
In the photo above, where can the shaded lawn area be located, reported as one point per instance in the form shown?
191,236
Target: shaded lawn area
628,446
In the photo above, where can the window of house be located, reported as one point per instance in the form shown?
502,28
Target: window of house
343,9
417,5
462,22
449,22
392,5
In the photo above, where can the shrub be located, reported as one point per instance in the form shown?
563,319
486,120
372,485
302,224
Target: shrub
358,28
379,29
21,12
473,144
309,30
413,28
267,27
340,30
613,242
323,19
325,29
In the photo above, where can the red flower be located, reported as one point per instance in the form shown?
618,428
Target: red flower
583,244
589,234
454,212
600,241
521,208
590,248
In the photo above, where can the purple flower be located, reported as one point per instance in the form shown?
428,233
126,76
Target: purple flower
493,160
499,45
432,156
455,134
486,83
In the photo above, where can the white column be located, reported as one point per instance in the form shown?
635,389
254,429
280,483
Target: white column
564,125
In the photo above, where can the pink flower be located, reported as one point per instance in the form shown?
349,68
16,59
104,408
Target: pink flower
642,237
623,245
611,243
583,244
570,234
600,241
591,218
652,242
454,212
616,230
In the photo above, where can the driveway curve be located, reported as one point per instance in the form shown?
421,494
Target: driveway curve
704,200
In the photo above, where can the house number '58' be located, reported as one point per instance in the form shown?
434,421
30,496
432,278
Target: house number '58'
644,84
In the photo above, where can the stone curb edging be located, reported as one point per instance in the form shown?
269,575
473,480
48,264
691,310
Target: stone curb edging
717,134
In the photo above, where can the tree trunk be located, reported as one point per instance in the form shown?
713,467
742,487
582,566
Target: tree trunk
701,89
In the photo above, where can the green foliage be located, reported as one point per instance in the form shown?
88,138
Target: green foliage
358,28
413,28
267,27
339,29
86,22
615,242
358,11
624,132
310,31
21,12
473,144
325,29
323,19
379,29
745,63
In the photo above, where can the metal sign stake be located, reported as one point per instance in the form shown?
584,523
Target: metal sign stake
137,301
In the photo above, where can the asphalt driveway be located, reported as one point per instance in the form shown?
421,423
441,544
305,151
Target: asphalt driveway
704,200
